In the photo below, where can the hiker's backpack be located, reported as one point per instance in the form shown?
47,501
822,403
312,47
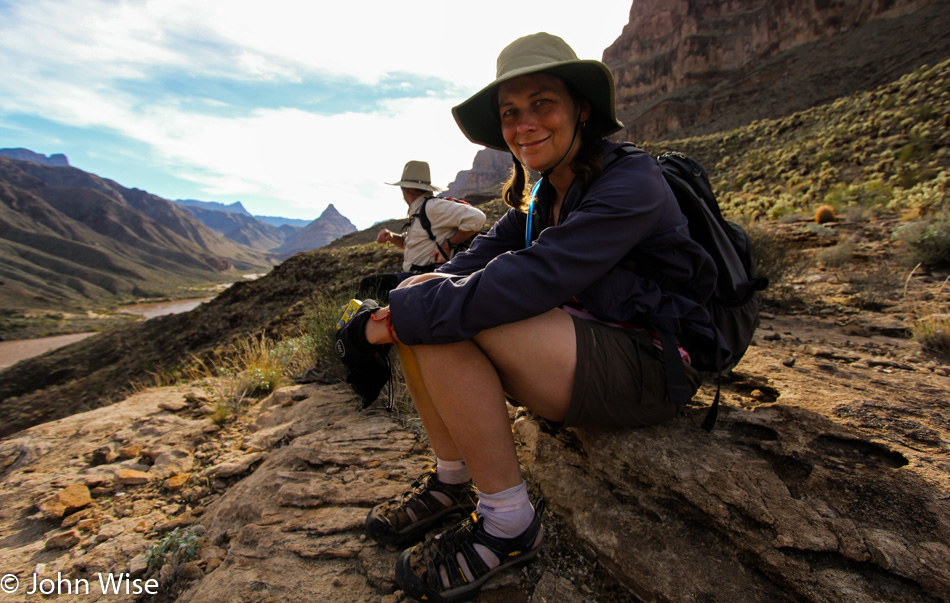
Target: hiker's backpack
733,307
427,225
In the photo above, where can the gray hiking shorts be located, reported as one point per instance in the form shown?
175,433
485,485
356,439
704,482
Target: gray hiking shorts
620,379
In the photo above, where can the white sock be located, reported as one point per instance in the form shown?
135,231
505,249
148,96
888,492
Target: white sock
508,513
452,472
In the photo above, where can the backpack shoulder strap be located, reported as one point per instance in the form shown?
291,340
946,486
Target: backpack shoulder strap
427,225
624,149
424,219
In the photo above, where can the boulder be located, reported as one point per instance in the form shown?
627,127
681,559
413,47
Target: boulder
67,500
778,504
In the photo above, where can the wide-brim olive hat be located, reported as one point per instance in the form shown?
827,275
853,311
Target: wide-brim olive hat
416,175
540,52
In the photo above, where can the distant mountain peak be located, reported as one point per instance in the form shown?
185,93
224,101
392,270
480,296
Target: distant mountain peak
329,226
55,160
331,212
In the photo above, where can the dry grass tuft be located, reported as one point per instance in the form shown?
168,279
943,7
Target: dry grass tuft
932,332
931,328
251,368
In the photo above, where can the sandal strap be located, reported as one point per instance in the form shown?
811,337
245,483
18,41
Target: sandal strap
443,551
420,500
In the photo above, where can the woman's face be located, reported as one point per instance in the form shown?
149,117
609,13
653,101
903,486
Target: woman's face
538,117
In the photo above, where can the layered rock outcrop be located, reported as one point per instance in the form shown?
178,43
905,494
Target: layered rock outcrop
56,159
836,492
686,67
482,182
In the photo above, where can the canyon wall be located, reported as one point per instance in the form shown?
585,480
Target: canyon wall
687,67
692,67
482,182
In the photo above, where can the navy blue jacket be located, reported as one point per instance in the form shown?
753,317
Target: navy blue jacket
498,281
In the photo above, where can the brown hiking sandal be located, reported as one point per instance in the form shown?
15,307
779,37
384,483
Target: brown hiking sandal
409,517
448,568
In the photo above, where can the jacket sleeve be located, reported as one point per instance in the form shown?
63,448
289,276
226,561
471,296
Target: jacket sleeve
625,206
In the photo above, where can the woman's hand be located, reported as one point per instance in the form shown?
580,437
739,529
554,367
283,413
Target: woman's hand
379,329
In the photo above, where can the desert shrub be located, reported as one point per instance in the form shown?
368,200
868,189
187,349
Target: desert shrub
917,149
930,196
838,196
836,255
933,333
176,547
250,368
295,355
221,413
320,324
255,363
925,242
784,215
856,213
875,290
772,258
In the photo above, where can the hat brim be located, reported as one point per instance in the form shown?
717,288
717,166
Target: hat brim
417,185
478,120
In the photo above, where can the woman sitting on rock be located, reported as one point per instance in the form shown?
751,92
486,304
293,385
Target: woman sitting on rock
537,310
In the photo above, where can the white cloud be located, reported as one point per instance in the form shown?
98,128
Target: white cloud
314,160
68,60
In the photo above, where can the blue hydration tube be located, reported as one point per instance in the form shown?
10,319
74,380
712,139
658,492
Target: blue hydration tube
527,230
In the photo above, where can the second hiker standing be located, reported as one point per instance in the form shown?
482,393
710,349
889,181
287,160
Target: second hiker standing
435,229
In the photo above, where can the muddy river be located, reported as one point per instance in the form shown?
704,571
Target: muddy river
12,352
153,309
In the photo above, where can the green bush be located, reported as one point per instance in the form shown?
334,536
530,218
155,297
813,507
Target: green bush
926,242
177,547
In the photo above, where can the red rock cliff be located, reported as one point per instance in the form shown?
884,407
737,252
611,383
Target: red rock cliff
697,66
481,183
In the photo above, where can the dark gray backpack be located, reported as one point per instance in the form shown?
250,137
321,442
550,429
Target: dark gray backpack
733,306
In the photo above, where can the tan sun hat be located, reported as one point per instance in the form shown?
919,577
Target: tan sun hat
416,175
540,52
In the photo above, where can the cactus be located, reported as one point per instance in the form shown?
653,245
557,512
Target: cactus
825,213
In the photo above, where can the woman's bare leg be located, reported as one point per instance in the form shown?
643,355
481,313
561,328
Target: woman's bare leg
461,397
439,437
466,395
536,360
459,389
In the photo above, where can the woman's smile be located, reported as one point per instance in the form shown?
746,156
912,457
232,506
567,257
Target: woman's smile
533,144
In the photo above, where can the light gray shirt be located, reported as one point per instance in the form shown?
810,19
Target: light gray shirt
447,218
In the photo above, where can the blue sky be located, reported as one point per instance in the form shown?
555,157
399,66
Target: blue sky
284,105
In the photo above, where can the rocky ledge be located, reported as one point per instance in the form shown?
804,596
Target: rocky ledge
839,491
